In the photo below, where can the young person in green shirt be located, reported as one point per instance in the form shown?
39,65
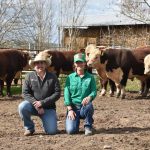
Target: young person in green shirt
80,91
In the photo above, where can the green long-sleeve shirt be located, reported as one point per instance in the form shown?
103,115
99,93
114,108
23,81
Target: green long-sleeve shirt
77,88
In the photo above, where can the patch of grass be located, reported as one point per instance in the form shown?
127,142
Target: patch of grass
133,85
15,90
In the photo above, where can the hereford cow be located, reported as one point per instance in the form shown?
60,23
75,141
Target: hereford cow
62,61
147,65
119,65
101,71
11,61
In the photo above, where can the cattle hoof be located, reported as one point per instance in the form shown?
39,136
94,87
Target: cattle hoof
122,96
111,95
144,95
8,96
1,96
117,96
101,94
140,92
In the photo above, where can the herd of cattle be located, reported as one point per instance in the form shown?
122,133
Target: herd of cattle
114,66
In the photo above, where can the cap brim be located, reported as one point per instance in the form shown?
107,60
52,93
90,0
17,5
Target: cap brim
79,60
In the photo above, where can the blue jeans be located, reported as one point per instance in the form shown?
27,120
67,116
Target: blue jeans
49,118
82,112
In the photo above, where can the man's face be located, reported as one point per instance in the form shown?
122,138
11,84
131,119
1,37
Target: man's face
40,66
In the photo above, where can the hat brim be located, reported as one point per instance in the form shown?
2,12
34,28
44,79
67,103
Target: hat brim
79,60
32,62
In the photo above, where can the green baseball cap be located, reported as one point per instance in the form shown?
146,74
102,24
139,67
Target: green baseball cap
79,57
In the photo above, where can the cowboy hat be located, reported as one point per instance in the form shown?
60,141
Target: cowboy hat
38,58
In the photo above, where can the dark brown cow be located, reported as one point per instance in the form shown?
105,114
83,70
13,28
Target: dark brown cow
119,65
11,61
140,53
62,61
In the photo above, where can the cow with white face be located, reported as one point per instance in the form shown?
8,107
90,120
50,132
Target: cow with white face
121,64
95,51
113,64
147,65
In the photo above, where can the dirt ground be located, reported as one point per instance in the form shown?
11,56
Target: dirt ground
119,125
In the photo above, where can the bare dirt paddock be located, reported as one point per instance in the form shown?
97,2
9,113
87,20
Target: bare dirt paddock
119,125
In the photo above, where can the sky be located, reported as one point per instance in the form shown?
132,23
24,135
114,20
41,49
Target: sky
102,11
105,11
102,6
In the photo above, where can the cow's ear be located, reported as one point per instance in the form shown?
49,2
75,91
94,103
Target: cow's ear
82,50
25,54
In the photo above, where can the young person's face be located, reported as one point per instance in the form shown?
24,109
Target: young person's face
80,65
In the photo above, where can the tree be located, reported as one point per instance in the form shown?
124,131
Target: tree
10,11
38,22
72,15
136,9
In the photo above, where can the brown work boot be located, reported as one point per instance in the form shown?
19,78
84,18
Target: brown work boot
28,133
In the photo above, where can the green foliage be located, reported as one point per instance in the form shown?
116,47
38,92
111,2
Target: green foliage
62,80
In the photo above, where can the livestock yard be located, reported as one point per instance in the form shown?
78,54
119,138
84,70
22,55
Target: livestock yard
119,125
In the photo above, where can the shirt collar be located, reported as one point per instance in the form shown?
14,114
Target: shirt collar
43,76
78,75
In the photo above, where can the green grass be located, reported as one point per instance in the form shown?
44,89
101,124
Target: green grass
131,85
15,90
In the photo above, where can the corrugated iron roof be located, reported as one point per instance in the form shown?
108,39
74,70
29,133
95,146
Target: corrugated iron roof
110,19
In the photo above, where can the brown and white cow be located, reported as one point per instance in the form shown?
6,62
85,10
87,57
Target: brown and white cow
147,64
62,61
119,65
11,61
101,71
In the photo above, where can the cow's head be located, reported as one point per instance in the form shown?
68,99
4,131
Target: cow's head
26,57
93,54
147,65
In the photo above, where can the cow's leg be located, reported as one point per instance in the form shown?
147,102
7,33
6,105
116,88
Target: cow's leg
17,77
112,88
1,87
123,92
142,87
124,82
103,84
146,87
8,90
16,81
8,83
118,92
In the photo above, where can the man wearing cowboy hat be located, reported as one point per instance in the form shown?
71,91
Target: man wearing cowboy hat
41,90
